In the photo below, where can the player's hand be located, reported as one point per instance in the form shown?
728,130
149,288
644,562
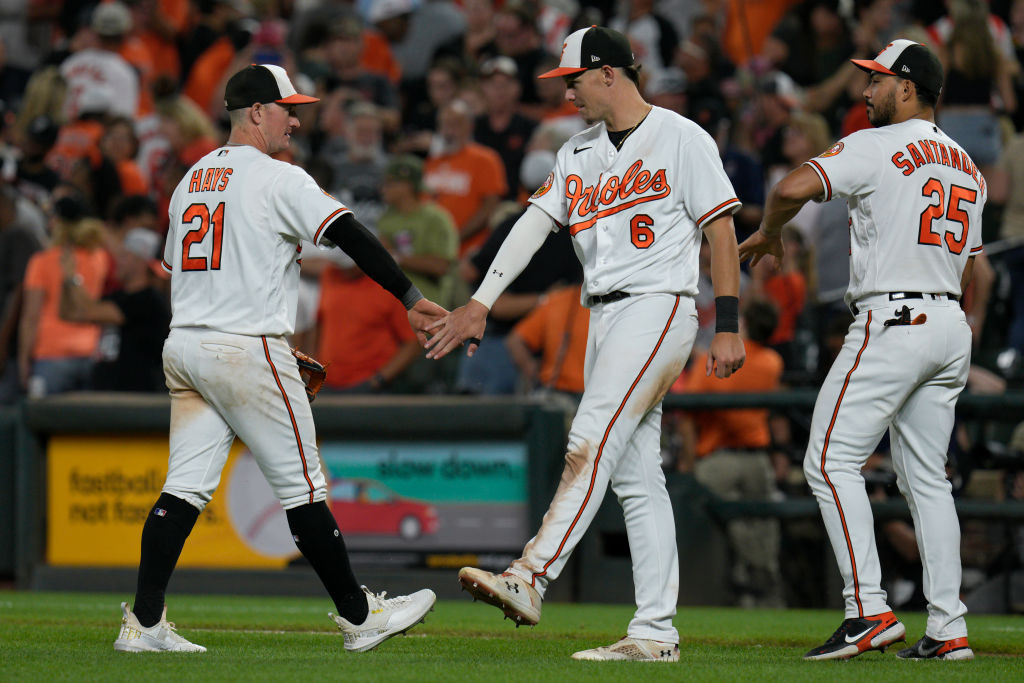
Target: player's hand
759,245
424,314
464,324
726,354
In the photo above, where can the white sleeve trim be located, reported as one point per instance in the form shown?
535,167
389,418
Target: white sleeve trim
523,241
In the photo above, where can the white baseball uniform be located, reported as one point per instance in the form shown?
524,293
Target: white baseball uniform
237,220
636,216
915,201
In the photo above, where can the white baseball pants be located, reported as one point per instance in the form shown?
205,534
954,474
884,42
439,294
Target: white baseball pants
904,378
224,385
636,349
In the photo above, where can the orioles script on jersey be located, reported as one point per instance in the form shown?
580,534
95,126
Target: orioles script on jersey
615,194
213,179
932,152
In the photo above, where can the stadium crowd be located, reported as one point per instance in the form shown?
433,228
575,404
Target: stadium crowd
433,128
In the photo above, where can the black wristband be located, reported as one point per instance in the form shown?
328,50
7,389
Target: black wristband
354,239
727,314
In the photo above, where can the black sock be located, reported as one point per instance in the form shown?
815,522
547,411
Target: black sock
316,535
168,525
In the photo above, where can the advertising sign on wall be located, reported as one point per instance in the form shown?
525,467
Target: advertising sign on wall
388,496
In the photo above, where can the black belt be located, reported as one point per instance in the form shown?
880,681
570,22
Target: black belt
595,299
900,296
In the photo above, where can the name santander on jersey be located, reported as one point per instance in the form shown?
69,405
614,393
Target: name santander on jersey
915,200
636,213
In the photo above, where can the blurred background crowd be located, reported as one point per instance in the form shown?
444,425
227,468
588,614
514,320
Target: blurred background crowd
433,128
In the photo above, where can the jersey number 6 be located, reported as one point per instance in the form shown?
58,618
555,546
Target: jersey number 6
640,233
201,212
953,212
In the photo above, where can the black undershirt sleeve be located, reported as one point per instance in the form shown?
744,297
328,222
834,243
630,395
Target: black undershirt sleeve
354,239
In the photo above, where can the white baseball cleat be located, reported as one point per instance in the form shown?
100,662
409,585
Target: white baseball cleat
161,637
632,650
386,618
512,595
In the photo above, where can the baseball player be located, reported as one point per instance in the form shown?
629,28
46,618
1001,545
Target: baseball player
915,201
237,220
635,191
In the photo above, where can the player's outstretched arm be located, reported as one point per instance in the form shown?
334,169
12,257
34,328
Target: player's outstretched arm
467,323
784,201
726,353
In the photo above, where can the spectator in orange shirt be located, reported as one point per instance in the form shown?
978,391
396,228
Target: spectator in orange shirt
556,330
367,344
79,138
466,178
56,356
734,461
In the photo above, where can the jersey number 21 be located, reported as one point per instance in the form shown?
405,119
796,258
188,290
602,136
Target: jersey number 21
201,213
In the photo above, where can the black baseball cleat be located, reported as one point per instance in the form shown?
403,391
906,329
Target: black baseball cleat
855,636
929,648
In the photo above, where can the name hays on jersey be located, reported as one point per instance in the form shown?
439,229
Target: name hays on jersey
209,179
926,152
591,202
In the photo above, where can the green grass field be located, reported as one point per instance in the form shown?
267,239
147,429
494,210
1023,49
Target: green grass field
69,636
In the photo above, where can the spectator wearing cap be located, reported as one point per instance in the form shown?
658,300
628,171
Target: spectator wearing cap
465,177
501,127
55,356
98,66
114,23
137,315
421,235
18,242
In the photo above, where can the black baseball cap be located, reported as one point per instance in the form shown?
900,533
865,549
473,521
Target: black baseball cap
592,48
906,59
262,83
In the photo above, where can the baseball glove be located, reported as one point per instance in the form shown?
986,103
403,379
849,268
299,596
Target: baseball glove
312,372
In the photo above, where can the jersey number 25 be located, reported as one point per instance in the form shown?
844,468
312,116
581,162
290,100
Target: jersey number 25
201,213
952,211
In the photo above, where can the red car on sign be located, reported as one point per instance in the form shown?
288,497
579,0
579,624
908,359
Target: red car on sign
365,506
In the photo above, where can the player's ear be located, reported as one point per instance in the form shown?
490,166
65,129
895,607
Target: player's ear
608,74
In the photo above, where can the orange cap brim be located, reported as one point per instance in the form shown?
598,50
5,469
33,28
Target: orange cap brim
297,99
872,65
561,71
